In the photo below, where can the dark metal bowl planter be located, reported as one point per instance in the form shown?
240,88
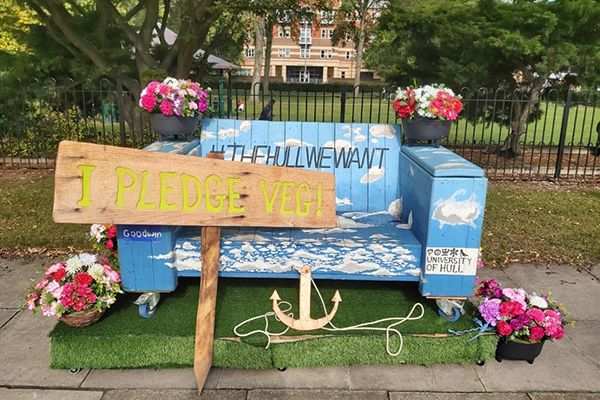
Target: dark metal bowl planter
172,126
512,350
429,129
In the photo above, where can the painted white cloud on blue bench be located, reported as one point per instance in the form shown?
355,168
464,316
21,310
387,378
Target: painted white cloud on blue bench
373,175
245,126
386,131
451,211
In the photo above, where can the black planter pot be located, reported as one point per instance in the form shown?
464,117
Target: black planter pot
429,129
172,126
510,350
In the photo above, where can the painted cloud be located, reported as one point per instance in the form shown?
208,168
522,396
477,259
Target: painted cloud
373,174
451,211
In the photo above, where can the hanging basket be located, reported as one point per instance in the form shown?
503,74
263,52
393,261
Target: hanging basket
429,129
512,350
81,318
172,126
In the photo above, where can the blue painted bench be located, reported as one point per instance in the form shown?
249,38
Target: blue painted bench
404,213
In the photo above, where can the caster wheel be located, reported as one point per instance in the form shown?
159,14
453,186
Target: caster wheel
282,369
499,359
451,318
146,311
74,371
481,363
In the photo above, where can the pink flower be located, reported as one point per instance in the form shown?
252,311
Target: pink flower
166,107
536,314
536,333
148,102
164,89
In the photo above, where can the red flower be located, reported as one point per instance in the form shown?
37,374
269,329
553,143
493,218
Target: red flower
83,278
536,333
504,328
60,274
511,309
111,233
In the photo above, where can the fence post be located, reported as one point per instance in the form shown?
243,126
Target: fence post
121,106
343,109
563,134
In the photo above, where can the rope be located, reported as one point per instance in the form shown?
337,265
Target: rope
367,326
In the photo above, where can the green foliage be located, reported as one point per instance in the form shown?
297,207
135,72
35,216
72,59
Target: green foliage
466,43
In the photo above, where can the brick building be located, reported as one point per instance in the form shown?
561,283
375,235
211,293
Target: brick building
310,58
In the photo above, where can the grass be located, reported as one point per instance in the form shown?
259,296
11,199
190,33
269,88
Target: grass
538,223
123,339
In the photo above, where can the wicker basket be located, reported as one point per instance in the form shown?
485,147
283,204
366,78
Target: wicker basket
81,318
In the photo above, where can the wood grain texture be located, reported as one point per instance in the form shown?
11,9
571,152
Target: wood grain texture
128,186
207,301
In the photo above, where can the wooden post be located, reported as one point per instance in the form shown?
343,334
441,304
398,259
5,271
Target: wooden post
205,317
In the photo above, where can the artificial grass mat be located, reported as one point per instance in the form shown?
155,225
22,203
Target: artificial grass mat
122,339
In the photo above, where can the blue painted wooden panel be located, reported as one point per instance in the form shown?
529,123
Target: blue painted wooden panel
439,161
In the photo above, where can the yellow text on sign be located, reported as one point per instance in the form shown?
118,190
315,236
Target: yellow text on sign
173,191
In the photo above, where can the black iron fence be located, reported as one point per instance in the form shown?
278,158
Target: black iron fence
559,139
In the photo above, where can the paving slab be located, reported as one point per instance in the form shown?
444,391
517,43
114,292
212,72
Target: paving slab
6,314
441,378
574,289
179,394
263,394
558,368
171,378
457,396
564,396
25,354
584,337
292,378
15,280
45,394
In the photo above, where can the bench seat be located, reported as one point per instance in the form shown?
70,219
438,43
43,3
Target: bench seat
363,246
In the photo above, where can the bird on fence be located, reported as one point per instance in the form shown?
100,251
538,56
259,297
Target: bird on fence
267,112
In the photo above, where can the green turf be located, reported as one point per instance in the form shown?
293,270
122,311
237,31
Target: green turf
122,339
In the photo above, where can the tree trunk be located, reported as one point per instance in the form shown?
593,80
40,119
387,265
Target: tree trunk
359,56
259,30
511,147
266,78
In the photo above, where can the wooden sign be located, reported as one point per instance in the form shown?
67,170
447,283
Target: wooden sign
98,183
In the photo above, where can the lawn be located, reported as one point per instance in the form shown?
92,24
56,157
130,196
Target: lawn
523,223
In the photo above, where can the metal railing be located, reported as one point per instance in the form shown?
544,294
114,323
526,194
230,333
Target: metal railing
560,140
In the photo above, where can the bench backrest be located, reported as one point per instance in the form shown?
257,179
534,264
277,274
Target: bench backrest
363,157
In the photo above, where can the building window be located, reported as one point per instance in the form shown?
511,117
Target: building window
343,74
323,33
327,17
304,52
326,53
283,53
249,53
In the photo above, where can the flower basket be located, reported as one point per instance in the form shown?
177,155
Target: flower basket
420,128
81,318
518,350
167,126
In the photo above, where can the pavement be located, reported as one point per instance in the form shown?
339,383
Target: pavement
567,369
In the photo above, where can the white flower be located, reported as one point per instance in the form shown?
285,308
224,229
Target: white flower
73,265
87,259
96,231
96,271
538,301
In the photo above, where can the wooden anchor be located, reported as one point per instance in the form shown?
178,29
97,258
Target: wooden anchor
305,322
